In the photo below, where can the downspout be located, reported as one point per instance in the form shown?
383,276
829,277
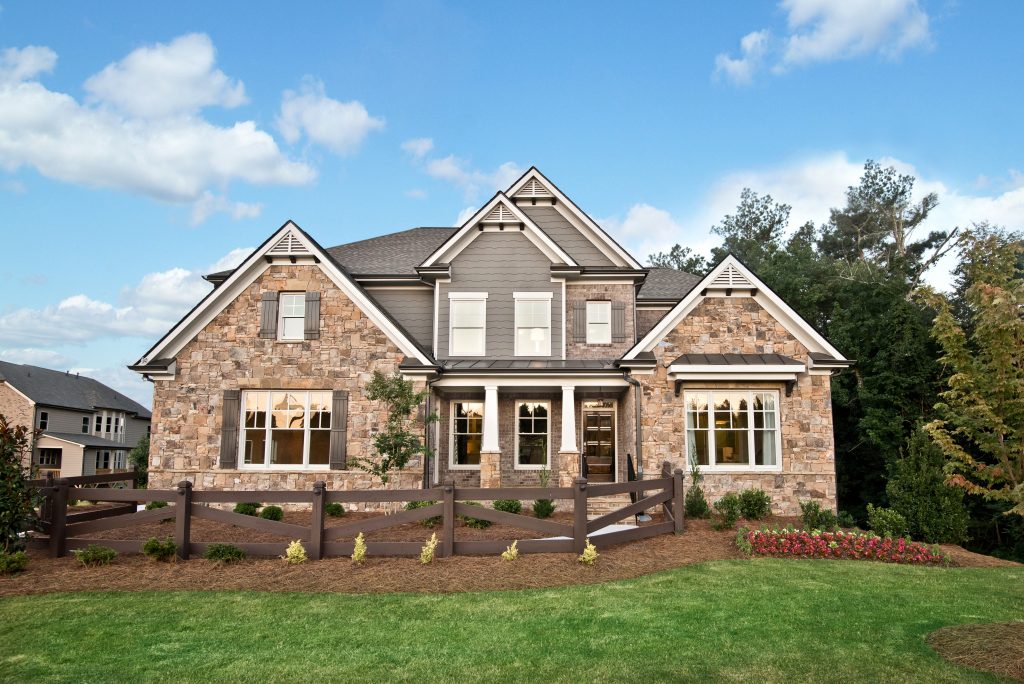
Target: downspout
639,428
431,438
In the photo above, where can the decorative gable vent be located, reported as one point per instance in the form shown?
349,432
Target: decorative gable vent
501,214
289,245
533,189
730,277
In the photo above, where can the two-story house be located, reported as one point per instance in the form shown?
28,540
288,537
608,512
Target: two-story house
84,427
545,346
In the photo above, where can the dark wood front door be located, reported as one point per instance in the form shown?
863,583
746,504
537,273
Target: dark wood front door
599,445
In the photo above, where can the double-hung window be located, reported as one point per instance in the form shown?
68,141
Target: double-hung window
532,436
599,322
733,429
102,460
286,429
85,425
533,323
468,316
292,315
44,420
467,434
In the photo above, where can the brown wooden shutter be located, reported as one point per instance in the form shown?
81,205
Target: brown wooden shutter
230,411
579,321
618,322
268,316
339,430
312,316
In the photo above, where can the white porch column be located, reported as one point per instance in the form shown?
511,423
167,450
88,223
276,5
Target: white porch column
568,419
490,438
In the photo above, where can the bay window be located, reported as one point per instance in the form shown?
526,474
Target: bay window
533,323
532,443
286,429
733,429
467,434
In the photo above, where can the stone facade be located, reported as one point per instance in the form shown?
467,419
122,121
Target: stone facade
607,293
740,325
229,354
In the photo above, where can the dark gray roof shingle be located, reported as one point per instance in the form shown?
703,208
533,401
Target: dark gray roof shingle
66,390
87,440
667,283
392,254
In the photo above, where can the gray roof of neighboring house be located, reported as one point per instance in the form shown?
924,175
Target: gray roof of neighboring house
67,390
667,283
87,440
737,360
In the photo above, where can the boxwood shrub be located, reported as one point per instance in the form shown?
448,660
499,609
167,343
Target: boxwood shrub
272,513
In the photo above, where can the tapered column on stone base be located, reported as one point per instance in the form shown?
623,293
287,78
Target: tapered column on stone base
490,468
568,467
490,452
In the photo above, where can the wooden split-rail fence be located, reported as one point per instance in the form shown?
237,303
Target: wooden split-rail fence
64,529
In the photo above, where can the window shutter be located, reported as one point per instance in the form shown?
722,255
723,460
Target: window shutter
268,316
579,321
312,316
339,430
229,429
618,322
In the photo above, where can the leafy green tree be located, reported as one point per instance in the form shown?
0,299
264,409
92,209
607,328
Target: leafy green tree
396,444
139,458
754,233
917,490
17,499
680,258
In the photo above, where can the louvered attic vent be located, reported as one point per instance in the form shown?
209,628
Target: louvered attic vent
730,277
534,189
501,214
289,245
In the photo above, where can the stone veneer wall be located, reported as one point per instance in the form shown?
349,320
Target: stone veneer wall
740,325
228,354
612,293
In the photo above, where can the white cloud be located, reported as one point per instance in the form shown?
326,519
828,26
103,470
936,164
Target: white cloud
416,193
829,30
165,80
18,65
209,204
339,126
465,215
176,158
459,173
418,148
37,357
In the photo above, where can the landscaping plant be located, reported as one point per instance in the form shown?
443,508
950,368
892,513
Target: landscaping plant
295,553
224,553
334,509
153,505
12,562
247,508
885,522
427,552
728,512
164,551
359,550
695,505
272,513
95,555
508,505
842,545
511,552
845,519
426,522
917,490
543,508
589,555
139,458
17,499
475,523
755,504
814,517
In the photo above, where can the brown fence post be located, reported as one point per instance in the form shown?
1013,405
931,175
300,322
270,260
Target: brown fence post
316,525
183,518
579,514
46,508
59,519
677,499
448,519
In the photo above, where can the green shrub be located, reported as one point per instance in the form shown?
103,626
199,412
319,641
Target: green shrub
225,553
755,504
508,505
426,522
11,563
543,508
153,505
247,508
917,490
695,504
886,522
334,509
17,500
475,523
846,519
814,517
94,555
728,510
272,513
160,550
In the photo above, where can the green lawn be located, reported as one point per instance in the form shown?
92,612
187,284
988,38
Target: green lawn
763,620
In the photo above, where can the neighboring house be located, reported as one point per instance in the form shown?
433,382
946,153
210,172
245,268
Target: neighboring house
85,427
544,344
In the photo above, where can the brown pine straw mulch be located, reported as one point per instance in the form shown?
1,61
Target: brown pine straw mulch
996,647
131,572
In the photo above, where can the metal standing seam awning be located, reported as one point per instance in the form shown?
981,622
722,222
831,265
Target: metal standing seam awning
772,367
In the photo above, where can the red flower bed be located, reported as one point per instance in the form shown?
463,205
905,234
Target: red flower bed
844,545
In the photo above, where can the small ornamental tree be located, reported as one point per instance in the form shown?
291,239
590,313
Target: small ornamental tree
17,498
396,444
139,458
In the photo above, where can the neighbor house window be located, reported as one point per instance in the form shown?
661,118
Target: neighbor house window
599,322
291,316
49,458
110,423
467,433
533,323
102,460
468,323
44,420
733,429
532,434
119,460
99,424
286,429
85,425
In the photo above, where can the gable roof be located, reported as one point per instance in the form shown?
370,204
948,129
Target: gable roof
731,273
66,390
666,284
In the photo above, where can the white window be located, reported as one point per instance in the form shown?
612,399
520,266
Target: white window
44,420
286,429
291,324
599,322
467,434
733,429
532,436
468,323
533,323
102,460
110,424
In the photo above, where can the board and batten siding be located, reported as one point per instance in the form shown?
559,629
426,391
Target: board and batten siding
413,309
568,237
500,263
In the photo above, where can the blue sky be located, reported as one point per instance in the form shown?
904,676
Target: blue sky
142,145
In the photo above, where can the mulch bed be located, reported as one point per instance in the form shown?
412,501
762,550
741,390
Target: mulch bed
996,647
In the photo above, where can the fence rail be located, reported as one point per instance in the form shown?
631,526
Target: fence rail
68,531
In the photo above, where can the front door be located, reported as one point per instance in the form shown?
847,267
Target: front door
599,444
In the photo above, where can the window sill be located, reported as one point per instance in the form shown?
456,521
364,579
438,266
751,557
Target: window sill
533,468
463,467
739,469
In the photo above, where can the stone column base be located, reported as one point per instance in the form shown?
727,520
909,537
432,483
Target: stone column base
490,468
568,467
